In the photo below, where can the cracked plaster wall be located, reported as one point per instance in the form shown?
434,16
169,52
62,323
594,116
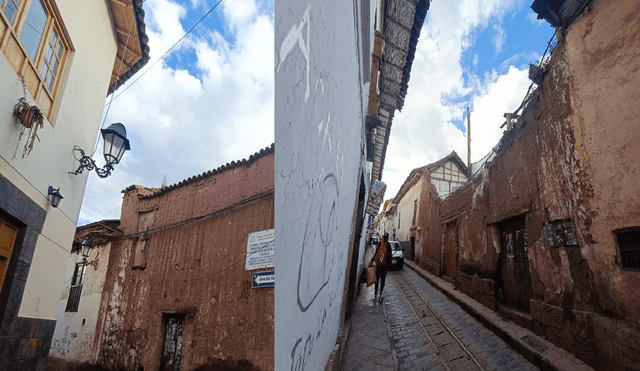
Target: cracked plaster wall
197,269
319,130
573,155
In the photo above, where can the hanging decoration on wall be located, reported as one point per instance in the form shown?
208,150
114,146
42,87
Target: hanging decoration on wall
31,118
561,233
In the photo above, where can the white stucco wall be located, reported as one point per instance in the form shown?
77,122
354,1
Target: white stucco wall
319,124
74,336
82,97
404,211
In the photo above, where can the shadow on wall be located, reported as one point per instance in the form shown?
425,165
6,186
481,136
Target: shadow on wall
54,364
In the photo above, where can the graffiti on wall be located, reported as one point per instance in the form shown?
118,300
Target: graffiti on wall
320,273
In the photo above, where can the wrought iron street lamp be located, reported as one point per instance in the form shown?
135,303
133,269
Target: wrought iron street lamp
55,196
86,248
115,144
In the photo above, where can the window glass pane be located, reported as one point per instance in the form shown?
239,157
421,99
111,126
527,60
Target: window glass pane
54,65
50,82
33,28
54,37
10,11
43,70
59,49
49,53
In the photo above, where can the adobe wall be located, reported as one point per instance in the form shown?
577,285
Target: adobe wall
195,268
74,339
604,49
430,233
572,156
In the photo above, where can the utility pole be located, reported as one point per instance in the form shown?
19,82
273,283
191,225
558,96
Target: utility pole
469,142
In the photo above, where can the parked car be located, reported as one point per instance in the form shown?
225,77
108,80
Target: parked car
375,240
397,258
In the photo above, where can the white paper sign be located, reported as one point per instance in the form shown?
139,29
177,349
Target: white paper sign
261,251
375,197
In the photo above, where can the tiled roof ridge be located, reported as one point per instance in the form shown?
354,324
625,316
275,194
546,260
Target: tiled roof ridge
110,222
207,174
422,6
427,169
451,156
144,45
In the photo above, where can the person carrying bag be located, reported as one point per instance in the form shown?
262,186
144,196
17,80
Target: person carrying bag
381,257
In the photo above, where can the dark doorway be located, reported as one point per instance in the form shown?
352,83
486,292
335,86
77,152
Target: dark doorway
412,249
172,347
354,286
514,261
451,259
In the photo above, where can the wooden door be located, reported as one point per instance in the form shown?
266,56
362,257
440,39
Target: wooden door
172,348
412,249
516,277
452,250
8,234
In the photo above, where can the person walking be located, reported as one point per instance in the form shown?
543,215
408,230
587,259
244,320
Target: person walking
382,258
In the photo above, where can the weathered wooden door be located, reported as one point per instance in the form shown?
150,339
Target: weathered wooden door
8,234
412,254
452,250
172,348
516,277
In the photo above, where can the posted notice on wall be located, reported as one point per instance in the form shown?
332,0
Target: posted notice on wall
261,250
376,195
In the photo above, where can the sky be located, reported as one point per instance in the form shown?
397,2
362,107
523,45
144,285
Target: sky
207,103
470,53
210,100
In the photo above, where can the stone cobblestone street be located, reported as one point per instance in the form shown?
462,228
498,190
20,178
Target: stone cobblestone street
414,353
389,336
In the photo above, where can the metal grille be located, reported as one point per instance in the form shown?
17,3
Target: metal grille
629,245
74,298
535,344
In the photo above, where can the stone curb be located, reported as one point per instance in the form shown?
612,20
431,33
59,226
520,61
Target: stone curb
392,347
337,357
552,359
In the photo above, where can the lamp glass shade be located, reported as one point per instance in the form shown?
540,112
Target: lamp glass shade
115,143
86,248
55,195
55,199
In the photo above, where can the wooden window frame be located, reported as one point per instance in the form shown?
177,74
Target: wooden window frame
139,248
8,236
75,291
627,251
46,99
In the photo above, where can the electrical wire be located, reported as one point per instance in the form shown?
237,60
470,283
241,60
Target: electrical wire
167,52
124,51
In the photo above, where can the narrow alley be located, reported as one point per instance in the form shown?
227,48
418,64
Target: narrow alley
419,326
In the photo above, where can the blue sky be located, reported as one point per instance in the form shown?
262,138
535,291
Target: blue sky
471,53
209,102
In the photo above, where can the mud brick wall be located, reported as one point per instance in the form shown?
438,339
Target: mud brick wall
195,268
571,156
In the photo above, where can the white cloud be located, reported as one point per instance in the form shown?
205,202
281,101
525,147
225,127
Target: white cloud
533,17
239,12
499,37
440,89
185,122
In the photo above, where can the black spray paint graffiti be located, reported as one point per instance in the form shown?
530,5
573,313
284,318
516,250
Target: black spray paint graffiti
318,289
316,275
317,258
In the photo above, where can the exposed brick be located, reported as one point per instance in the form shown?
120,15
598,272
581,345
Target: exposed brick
489,286
583,325
489,301
549,315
